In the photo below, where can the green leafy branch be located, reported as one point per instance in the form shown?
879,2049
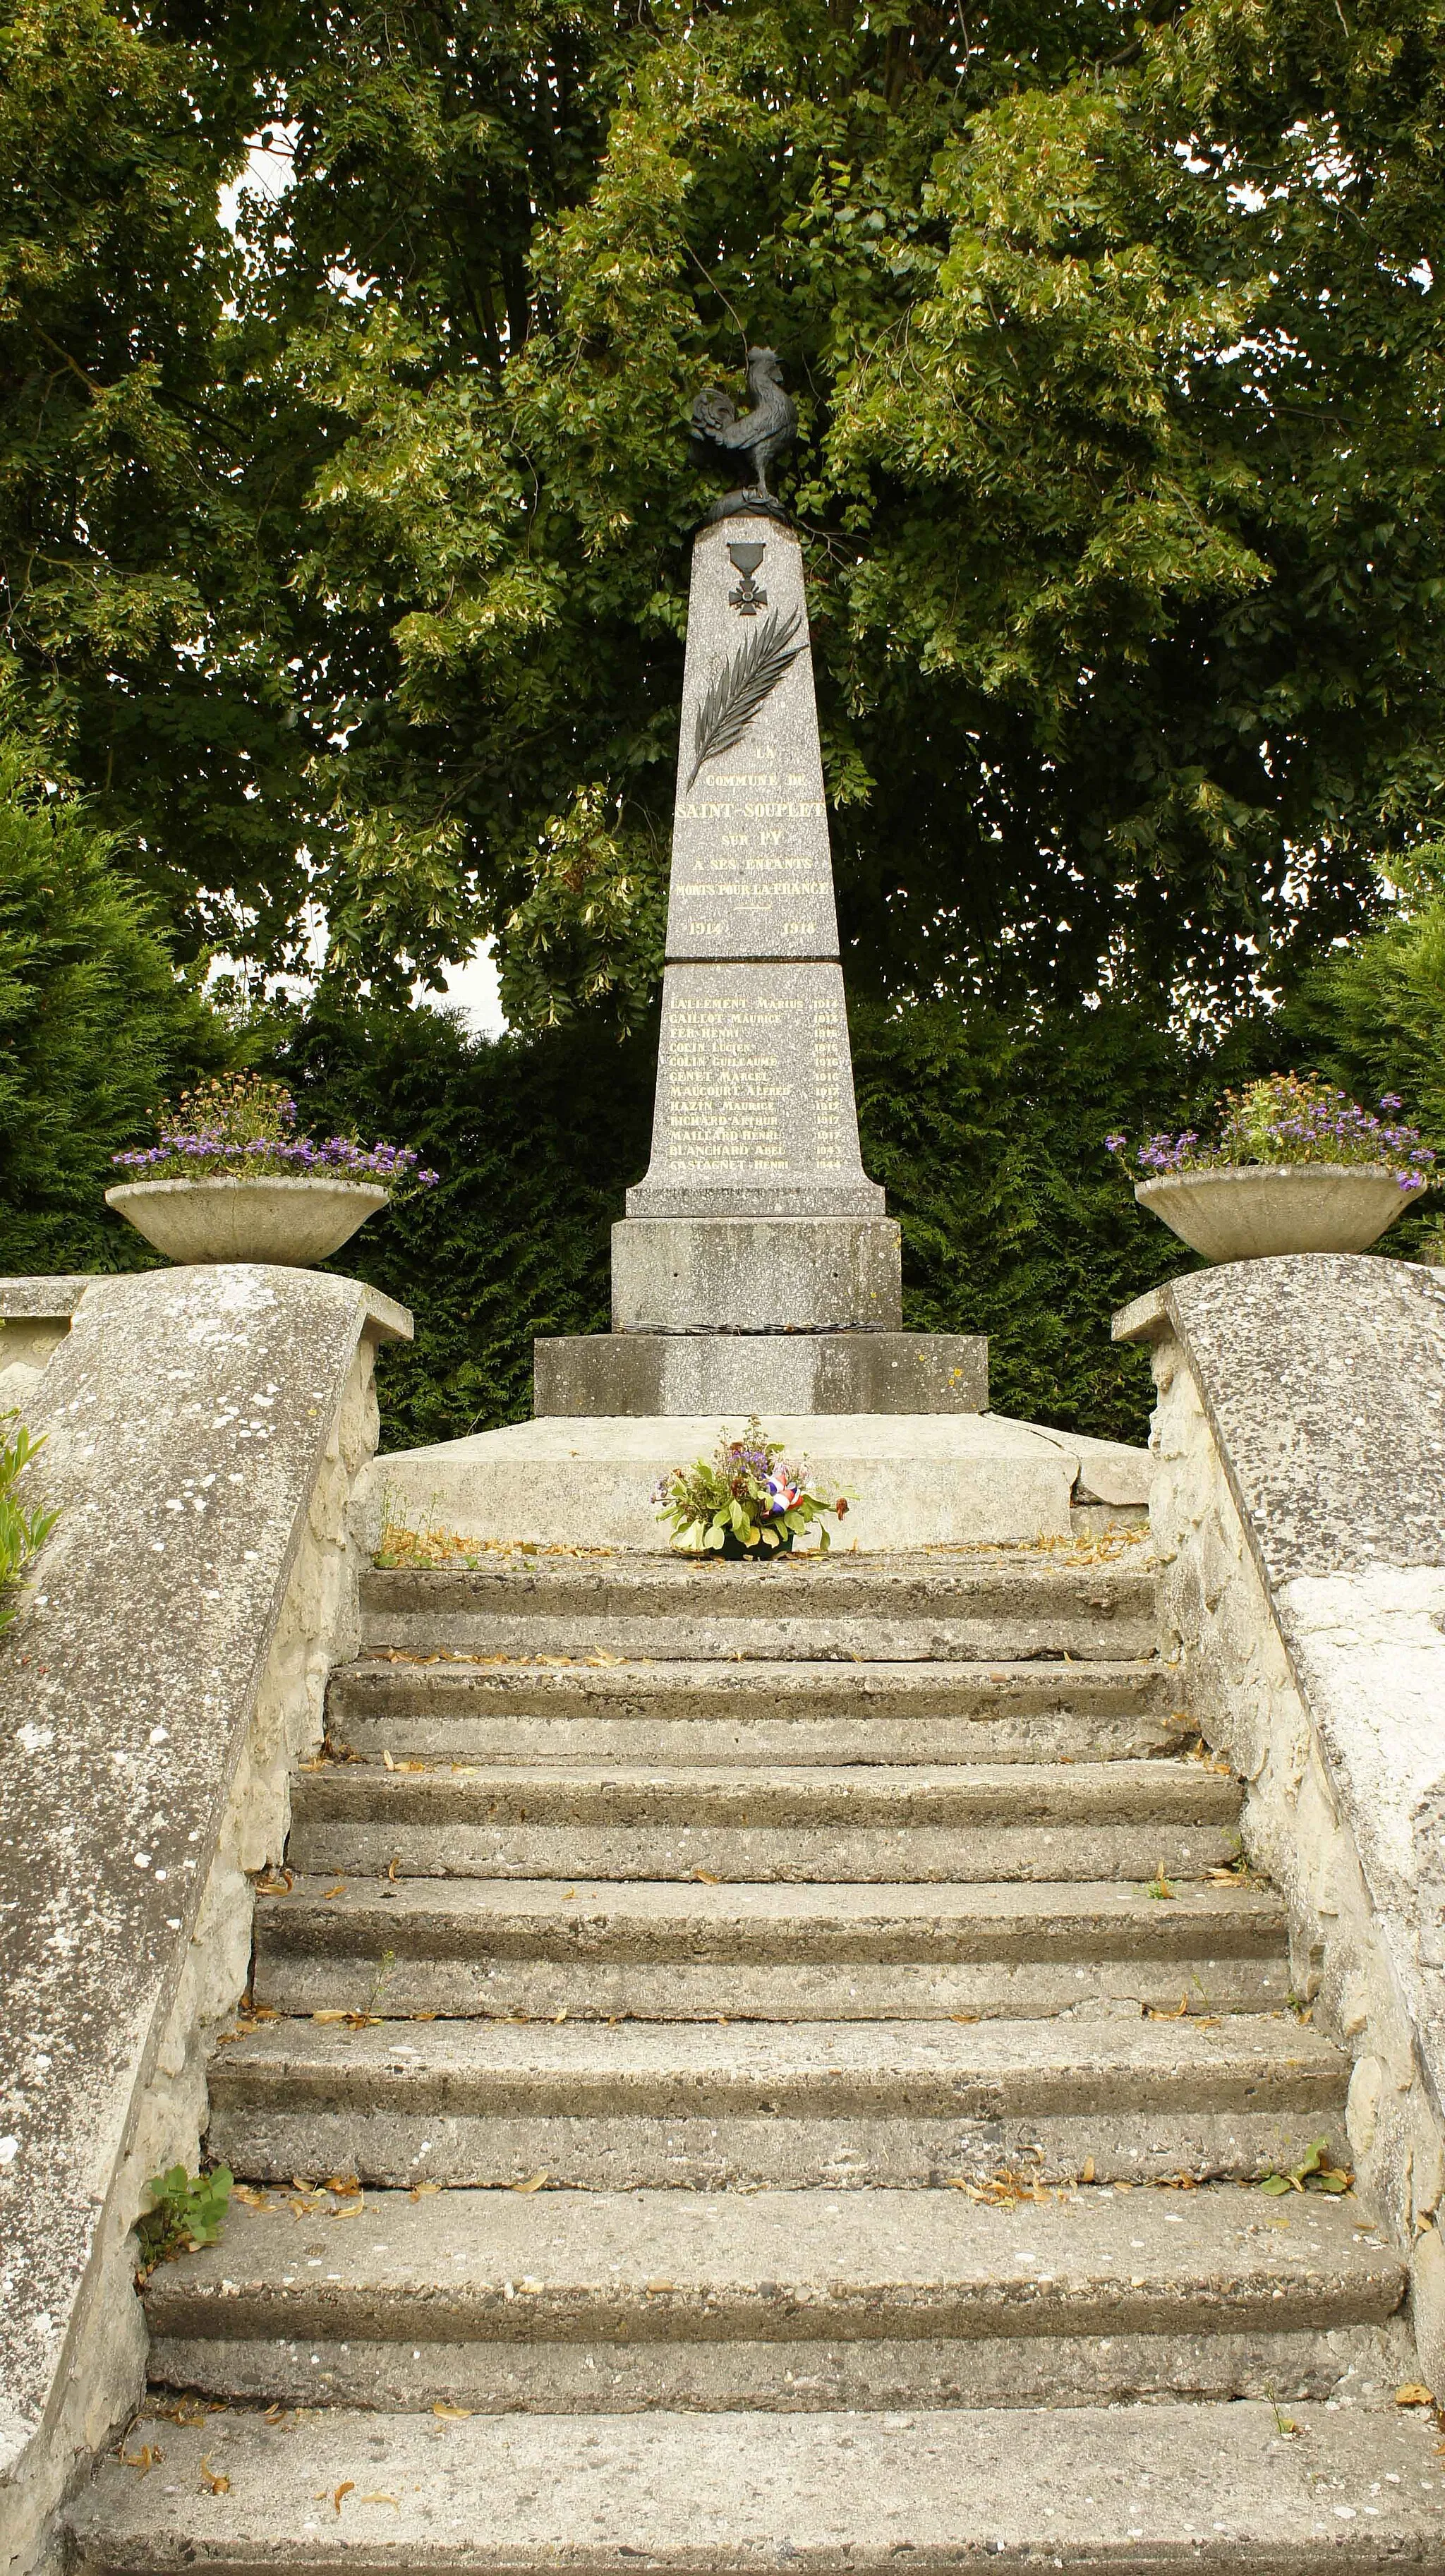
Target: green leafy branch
22,1533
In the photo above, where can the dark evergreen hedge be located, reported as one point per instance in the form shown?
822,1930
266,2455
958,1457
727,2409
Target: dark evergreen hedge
990,1144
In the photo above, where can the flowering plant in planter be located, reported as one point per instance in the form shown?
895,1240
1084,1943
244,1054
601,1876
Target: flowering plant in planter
746,1500
241,1127
1288,1119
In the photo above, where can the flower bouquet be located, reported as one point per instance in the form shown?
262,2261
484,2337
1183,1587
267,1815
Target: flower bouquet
745,1501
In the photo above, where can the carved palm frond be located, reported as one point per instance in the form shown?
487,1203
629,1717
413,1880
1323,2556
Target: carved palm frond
747,677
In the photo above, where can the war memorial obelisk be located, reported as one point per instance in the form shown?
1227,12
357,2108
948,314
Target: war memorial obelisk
755,1269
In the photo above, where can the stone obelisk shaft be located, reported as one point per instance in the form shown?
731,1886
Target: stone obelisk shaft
755,1114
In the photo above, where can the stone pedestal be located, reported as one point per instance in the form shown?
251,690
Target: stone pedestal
784,1274
622,1374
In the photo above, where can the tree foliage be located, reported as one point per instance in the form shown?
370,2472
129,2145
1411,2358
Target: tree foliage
355,568
151,472
1119,360
95,1026
1374,1014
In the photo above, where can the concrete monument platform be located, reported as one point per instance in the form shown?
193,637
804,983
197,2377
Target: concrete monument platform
929,1480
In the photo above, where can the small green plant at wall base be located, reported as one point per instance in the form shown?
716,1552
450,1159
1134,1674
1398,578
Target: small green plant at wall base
1315,2174
22,1533
186,2211
745,1501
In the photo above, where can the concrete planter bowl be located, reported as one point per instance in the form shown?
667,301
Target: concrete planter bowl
1247,1211
259,1218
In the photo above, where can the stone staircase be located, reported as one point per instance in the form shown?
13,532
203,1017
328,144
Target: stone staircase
764,2066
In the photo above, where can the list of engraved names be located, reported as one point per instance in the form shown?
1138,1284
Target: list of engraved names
743,1093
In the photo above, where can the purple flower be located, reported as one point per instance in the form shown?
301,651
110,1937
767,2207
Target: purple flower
246,1126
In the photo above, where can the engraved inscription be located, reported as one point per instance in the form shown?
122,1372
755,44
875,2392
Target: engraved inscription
742,1094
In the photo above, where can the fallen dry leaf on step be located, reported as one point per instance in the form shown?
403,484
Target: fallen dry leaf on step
1003,2190
346,2488
213,2480
533,2182
386,1757
343,2182
423,2190
349,2208
380,2495
708,1877
275,1883
1088,2173
253,2199
149,2456
1412,2394
453,2414
965,2016
338,1890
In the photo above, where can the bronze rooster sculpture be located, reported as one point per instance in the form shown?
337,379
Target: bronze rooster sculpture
721,439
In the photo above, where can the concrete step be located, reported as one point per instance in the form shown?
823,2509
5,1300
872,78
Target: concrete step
898,1922
956,1795
1000,1822
613,1711
937,1606
781,1855
795,2106
1336,2364
602,1989
1147,2489
396,2305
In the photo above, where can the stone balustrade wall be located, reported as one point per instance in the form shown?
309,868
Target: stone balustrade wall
206,1431
1298,1509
